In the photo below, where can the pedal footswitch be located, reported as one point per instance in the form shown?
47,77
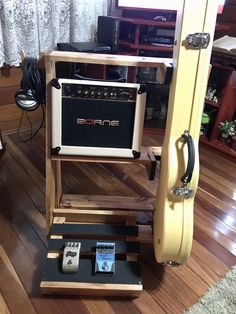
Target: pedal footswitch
105,258
70,262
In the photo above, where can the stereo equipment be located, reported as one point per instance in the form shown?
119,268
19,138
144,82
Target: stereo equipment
97,118
108,31
159,36
168,41
93,47
107,38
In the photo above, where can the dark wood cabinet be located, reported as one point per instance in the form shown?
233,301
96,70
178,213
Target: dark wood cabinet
223,81
147,35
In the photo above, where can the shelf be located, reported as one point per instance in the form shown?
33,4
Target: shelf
222,64
220,147
147,46
137,21
222,27
223,80
219,26
148,158
212,103
144,158
134,30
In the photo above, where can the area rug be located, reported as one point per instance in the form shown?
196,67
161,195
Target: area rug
220,299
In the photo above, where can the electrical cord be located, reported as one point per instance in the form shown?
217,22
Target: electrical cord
32,94
29,140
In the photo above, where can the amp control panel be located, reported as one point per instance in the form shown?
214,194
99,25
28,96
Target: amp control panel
98,92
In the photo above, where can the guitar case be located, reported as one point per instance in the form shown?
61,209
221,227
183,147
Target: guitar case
179,172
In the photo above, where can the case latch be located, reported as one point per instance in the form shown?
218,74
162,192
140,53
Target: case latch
198,40
182,191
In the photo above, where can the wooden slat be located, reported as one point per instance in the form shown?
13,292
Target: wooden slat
10,118
212,163
78,288
164,297
217,225
145,189
146,304
91,58
12,288
214,203
25,183
76,182
96,216
137,176
104,178
168,279
24,264
37,149
216,236
213,262
212,188
207,275
224,186
27,166
190,278
226,183
125,307
126,279
215,248
7,94
3,306
147,159
11,78
105,201
140,233
89,230
97,305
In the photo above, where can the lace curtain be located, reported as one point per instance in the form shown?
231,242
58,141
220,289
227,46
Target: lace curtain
38,25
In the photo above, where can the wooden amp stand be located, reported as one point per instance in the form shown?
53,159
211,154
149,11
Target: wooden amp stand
95,216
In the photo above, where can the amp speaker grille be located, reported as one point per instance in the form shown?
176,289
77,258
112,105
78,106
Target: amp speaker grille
97,123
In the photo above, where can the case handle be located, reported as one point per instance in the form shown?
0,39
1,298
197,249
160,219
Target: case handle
184,190
186,178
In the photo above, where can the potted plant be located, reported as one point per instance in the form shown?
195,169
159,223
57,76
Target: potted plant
233,138
228,130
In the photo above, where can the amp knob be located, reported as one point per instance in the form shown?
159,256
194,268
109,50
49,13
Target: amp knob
79,91
99,93
67,90
86,92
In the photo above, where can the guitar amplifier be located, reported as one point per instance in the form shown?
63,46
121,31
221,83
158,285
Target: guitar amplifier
97,118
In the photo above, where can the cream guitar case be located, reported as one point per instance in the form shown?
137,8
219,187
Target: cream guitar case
178,181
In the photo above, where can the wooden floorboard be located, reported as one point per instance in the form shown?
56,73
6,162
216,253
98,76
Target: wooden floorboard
166,290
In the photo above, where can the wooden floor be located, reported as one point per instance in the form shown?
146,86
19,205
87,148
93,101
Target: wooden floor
166,290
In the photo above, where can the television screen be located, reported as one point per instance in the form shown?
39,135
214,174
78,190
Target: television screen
157,4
